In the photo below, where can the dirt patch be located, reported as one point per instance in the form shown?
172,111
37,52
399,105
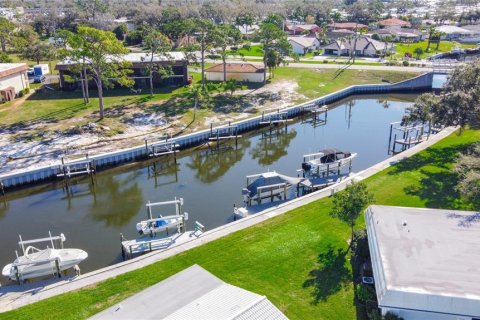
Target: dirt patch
43,144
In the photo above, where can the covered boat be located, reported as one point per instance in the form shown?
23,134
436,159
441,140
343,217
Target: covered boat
153,226
268,185
37,262
328,161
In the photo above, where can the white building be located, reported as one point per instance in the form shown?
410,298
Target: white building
13,79
302,45
426,262
194,293
454,32
236,71
364,46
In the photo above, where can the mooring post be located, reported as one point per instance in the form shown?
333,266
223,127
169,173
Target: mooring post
146,146
390,136
57,266
149,210
3,189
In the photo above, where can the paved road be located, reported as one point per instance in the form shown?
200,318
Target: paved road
337,66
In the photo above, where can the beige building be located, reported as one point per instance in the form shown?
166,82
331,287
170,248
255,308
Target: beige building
13,79
236,71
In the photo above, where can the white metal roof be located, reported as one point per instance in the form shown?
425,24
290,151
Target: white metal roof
453,30
426,259
194,293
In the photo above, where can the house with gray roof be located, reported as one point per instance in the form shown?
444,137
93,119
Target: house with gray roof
364,47
193,293
425,262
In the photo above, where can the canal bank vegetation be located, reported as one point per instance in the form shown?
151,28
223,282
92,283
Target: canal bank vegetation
299,260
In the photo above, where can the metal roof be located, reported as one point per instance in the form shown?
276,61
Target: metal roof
426,259
193,293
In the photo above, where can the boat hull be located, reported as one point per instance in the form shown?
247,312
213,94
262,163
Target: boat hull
29,268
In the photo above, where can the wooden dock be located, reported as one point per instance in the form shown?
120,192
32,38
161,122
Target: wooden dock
223,133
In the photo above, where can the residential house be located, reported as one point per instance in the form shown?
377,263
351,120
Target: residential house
454,33
176,61
394,22
475,36
352,26
193,293
399,34
298,29
246,72
339,33
13,79
425,262
365,47
302,45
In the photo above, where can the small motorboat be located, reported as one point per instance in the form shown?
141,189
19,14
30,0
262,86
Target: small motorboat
268,185
327,161
153,226
37,262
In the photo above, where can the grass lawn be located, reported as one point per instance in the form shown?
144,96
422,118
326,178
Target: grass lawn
254,51
317,82
445,46
298,260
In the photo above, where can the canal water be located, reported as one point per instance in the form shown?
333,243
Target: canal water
209,181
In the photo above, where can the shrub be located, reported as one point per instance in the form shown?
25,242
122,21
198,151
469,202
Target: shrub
325,61
134,38
21,93
247,46
364,293
26,90
375,36
405,63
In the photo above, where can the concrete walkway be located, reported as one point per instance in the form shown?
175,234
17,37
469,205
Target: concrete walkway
12,297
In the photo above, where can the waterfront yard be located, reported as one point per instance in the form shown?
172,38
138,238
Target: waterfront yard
298,260
445,46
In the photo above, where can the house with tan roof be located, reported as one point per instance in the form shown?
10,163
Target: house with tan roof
364,47
394,22
346,26
245,72
13,79
302,45
297,29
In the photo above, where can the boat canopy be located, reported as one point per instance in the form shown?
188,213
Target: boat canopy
271,179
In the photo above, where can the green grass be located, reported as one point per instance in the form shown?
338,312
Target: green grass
285,258
314,83
253,51
445,46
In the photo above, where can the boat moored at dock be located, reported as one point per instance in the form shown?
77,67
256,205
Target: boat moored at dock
36,262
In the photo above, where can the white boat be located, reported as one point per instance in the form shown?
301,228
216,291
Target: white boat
153,226
328,161
37,262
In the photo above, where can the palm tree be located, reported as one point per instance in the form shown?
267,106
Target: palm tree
418,52
195,93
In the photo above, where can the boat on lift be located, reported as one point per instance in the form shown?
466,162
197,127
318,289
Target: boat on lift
153,226
326,162
36,262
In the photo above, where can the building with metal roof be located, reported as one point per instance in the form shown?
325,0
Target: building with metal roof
176,61
425,262
193,293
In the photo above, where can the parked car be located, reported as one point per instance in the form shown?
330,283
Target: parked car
39,78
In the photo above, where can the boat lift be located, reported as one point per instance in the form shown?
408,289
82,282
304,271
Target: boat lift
223,133
61,239
154,241
75,168
318,114
275,119
408,136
